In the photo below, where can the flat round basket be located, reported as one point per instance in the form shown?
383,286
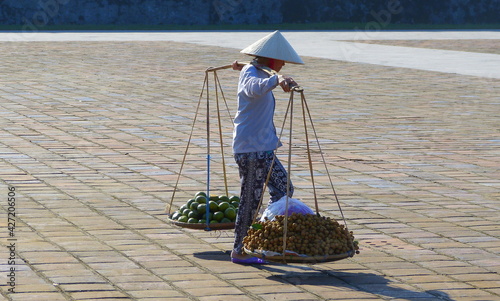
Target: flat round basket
215,226
300,258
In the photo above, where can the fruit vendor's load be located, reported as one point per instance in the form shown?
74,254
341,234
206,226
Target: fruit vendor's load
219,209
307,235
280,208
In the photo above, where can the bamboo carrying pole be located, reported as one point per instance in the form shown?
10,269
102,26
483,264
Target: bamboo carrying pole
212,69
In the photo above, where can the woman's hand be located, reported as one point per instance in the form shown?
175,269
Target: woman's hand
237,66
286,83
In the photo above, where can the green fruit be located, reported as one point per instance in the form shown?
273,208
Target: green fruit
183,219
188,204
214,197
218,216
223,206
223,198
225,220
202,221
234,198
213,206
210,216
202,193
186,212
235,204
201,199
202,208
230,213
176,215
183,207
194,205
193,214
192,220
213,221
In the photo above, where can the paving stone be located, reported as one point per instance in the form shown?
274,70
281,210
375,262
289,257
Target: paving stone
219,297
78,287
147,294
96,295
38,296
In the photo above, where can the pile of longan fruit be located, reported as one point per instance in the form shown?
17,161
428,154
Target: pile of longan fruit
308,234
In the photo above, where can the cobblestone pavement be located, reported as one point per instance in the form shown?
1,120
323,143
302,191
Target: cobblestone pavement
92,138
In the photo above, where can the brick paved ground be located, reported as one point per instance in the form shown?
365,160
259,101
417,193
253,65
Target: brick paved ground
92,138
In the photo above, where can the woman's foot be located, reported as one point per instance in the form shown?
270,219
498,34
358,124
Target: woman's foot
246,259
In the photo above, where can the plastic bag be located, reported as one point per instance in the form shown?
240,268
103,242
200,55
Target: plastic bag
279,208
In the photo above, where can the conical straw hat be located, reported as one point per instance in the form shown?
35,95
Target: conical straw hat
274,46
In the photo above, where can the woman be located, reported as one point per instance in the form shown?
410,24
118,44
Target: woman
254,136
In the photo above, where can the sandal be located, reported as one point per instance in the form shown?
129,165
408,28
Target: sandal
251,260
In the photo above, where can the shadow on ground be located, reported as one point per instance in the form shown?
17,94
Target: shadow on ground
366,282
213,255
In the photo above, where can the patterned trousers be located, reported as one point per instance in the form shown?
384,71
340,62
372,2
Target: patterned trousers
253,170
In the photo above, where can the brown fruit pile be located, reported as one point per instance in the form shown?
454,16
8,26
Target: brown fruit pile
309,234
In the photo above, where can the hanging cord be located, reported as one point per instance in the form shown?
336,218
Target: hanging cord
205,84
207,198
216,80
218,87
288,182
305,109
303,102
327,172
225,102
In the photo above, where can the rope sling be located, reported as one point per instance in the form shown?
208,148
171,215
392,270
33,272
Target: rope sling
306,116
206,87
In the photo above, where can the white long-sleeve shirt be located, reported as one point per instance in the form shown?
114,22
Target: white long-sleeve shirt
254,128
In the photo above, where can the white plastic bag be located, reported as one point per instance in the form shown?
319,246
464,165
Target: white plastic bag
279,208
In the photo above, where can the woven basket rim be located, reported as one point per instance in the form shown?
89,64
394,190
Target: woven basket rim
198,226
302,259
